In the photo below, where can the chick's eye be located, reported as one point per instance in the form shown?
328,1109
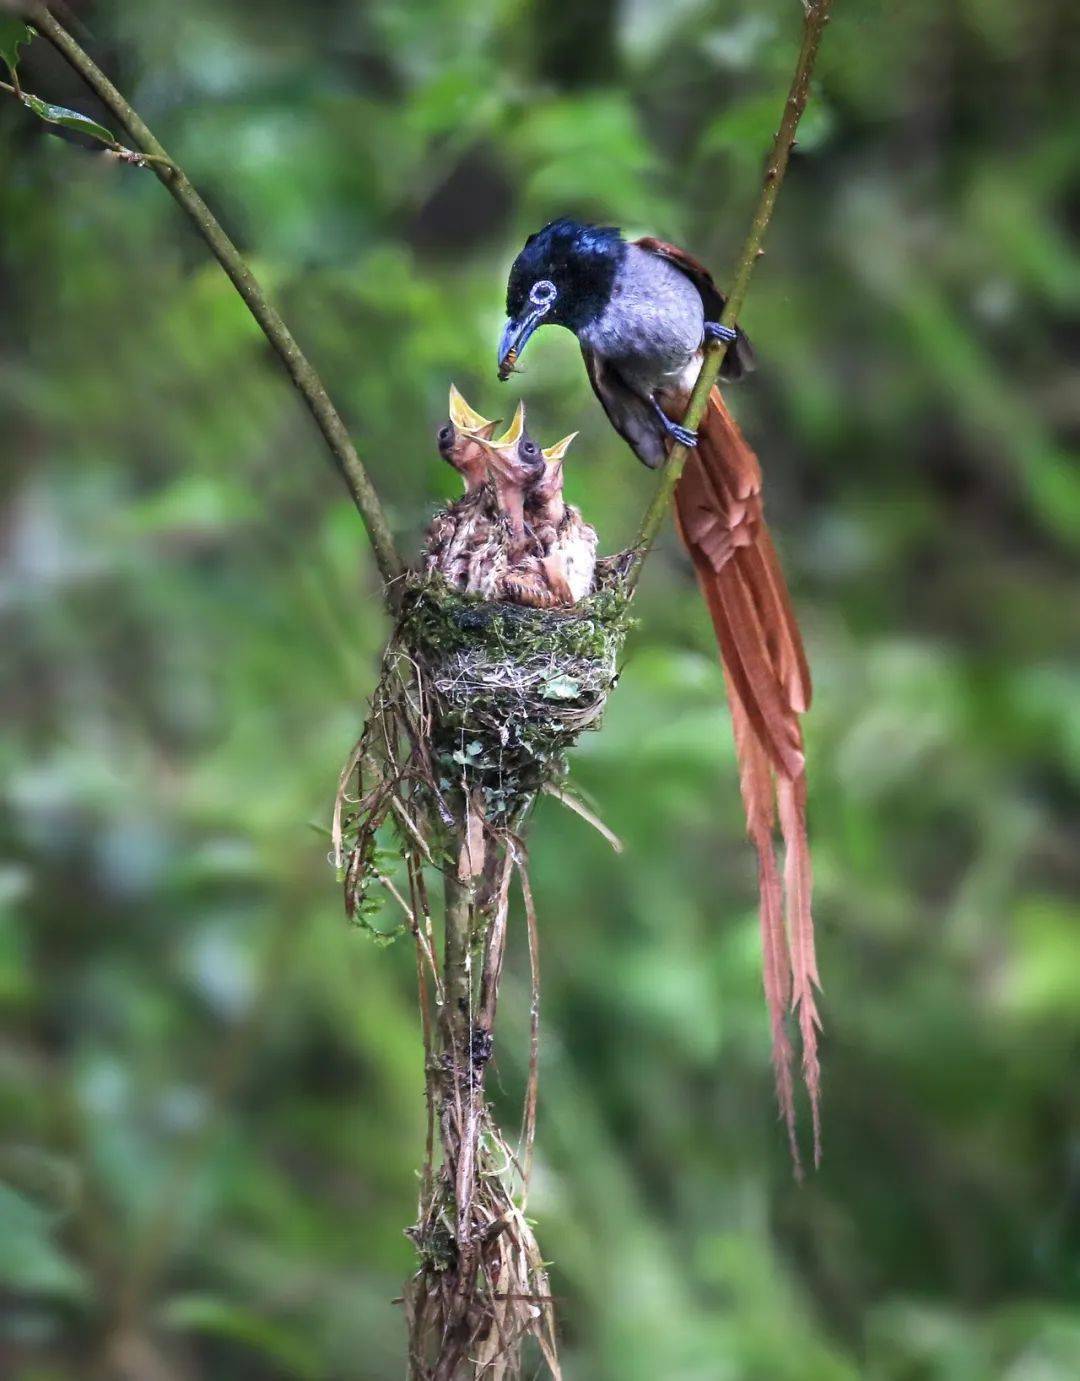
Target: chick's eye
445,433
529,447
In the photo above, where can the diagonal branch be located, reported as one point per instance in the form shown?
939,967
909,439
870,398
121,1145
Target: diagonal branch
307,381
817,16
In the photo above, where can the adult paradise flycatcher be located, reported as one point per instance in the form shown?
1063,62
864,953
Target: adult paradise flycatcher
642,312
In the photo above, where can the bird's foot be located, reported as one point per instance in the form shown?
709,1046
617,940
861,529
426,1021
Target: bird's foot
678,433
715,331
683,435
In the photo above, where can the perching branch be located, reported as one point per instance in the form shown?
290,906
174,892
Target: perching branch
817,16
303,375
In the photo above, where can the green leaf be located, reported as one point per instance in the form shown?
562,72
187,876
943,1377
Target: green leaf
13,35
70,119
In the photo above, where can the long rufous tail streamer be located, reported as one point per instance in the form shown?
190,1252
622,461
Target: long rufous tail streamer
718,505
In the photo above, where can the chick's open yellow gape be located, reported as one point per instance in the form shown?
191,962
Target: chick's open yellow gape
511,537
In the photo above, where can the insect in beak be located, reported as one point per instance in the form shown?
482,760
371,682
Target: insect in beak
516,333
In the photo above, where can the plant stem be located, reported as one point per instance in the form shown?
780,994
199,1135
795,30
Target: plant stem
462,1097
817,16
457,975
303,375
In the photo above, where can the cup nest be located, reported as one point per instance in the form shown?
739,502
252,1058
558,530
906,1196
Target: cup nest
511,688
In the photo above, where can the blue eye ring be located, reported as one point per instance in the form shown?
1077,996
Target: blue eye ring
543,293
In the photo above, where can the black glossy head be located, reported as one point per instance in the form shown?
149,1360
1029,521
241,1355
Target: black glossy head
579,261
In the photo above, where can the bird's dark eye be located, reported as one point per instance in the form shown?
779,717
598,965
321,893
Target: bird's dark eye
543,293
529,448
445,433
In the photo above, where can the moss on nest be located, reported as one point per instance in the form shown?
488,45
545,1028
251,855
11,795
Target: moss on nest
510,688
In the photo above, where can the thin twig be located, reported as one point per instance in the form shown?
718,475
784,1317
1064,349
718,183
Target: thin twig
424,950
578,807
495,947
528,1126
817,16
414,929
303,375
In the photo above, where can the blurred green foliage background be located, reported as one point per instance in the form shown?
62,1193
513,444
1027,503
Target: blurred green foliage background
210,1087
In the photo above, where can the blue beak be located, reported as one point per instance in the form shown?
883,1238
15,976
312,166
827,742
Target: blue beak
514,337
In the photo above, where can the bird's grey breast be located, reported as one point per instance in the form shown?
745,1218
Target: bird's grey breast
653,323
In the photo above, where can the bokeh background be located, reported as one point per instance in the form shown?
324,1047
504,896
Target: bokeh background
210,1086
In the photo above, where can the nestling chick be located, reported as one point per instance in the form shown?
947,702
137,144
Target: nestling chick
515,463
552,551
473,542
454,535
545,503
458,440
568,542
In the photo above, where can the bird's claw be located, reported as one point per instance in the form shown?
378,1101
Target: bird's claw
715,331
683,435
